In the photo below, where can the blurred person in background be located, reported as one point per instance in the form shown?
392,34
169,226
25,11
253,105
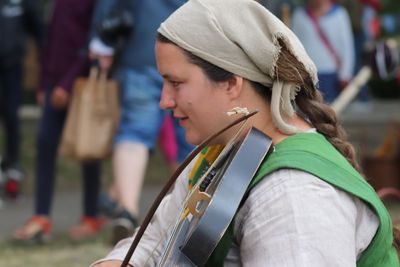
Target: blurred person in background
324,28
19,19
64,59
356,11
134,67
280,8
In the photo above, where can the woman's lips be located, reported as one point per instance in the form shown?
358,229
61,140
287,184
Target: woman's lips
182,120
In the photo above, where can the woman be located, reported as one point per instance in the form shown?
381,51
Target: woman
307,205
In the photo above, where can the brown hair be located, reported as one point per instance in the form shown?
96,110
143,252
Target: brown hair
310,102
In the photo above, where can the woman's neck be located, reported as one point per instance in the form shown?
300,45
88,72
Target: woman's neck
278,136
263,121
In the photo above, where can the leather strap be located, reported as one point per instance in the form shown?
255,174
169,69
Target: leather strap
324,38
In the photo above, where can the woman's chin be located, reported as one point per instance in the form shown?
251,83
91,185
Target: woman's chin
193,139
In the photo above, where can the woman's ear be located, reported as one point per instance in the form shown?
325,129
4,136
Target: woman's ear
235,86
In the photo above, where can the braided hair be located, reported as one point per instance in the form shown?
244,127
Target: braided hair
309,102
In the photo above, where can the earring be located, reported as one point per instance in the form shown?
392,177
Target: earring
238,110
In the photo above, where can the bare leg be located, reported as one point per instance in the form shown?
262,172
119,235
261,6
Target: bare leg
129,166
113,192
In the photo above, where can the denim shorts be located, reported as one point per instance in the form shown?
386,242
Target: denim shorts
141,116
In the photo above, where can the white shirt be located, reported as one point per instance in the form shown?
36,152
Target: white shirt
337,28
291,218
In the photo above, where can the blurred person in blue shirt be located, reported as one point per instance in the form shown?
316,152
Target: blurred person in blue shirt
133,65
324,28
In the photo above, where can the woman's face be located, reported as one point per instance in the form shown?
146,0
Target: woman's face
198,103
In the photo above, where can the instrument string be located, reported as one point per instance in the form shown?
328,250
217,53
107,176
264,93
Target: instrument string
205,179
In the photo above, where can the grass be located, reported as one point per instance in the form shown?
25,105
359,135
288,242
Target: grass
62,252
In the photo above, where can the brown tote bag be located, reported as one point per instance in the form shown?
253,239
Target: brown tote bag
92,118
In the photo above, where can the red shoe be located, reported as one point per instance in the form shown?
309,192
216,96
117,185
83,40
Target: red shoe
36,230
88,227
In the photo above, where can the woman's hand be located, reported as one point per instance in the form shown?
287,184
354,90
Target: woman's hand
59,98
40,98
105,61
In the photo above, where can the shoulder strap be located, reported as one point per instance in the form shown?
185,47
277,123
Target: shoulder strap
300,152
323,37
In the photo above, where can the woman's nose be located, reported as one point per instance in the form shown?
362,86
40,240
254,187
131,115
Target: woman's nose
167,101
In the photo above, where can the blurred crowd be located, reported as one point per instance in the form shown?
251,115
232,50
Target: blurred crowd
118,36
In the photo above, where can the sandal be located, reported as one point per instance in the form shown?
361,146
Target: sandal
88,227
36,230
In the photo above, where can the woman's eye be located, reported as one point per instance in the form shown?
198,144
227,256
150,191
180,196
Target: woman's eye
175,84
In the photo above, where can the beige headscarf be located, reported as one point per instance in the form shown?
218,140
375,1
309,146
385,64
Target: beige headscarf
240,36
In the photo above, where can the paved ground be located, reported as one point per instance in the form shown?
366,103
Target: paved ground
368,125
66,210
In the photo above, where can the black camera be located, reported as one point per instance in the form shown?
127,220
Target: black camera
116,27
